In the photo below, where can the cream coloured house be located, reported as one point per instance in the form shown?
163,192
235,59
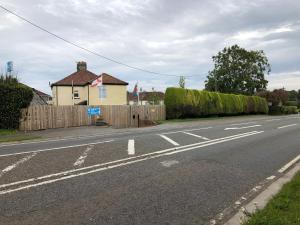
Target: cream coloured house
76,89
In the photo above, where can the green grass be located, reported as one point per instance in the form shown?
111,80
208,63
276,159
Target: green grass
14,135
283,209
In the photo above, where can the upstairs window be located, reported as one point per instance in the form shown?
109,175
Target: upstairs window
76,95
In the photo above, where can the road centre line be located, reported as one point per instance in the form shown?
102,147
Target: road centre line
82,158
195,135
131,149
16,164
238,124
273,120
291,125
51,149
121,162
289,164
169,140
240,128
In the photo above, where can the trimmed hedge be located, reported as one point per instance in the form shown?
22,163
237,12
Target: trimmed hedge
184,103
291,103
280,110
13,97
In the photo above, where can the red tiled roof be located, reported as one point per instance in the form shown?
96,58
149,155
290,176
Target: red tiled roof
84,77
109,79
79,78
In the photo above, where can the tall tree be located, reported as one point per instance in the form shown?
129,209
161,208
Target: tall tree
239,71
182,82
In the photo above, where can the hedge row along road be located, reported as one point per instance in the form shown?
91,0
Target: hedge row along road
179,173
185,103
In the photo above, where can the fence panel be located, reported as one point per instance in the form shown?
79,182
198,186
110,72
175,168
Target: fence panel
118,116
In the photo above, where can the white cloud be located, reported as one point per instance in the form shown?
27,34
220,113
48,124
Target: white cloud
287,80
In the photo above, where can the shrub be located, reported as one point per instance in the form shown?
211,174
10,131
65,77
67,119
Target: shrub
289,109
291,103
183,103
280,110
13,97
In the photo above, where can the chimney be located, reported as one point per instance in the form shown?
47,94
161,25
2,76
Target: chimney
81,66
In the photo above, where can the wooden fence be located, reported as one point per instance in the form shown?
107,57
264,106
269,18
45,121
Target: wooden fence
118,116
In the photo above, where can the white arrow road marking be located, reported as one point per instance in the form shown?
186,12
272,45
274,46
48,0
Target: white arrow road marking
131,150
198,136
169,140
291,125
240,128
82,158
52,178
288,165
13,166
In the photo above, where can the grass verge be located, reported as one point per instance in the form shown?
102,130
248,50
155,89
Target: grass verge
283,209
14,135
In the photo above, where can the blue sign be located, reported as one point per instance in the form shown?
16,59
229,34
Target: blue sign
94,111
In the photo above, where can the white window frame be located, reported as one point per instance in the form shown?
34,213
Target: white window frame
76,93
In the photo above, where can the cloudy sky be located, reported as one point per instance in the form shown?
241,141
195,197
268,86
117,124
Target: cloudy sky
166,36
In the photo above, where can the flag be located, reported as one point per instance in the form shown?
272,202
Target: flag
135,90
97,82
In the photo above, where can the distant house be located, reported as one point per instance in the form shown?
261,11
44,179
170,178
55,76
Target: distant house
146,98
76,89
39,97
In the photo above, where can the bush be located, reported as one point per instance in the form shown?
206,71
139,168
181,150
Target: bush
13,97
280,110
291,103
184,103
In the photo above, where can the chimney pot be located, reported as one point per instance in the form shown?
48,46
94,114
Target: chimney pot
81,66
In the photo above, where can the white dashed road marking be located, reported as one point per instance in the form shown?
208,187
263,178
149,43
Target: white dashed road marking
131,150
169,140
291,125
198,136
13,166
169,163
82,158
288,165
240,128
271,178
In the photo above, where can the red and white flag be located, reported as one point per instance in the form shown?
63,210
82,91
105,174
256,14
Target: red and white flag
97,82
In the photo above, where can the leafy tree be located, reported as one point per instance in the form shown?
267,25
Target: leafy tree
238,71
182,82
293,95
276,97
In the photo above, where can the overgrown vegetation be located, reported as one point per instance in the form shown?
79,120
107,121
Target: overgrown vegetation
283,209
13,97
185,103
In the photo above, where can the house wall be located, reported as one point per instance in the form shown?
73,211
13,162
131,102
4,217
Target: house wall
115,95
62,95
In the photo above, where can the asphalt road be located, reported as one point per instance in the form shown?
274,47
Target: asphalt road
191,173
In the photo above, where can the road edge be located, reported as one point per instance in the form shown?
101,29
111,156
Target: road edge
260,201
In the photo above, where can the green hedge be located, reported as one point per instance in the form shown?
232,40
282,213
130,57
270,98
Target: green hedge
281,110
184,103
291,103
13,97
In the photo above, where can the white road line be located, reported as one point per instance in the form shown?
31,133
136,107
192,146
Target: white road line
271,178
291,125
195,135
288,165
131,150
240,128
82,158
169,140
16,164
107,166
238,124
273,120
125,159
51,149
180,131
